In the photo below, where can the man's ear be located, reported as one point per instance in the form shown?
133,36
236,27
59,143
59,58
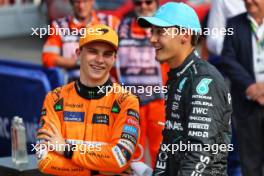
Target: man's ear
186,37
78,52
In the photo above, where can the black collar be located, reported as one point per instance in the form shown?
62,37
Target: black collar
177,72
92,92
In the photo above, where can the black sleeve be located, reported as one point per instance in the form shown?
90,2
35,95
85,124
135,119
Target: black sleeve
208,113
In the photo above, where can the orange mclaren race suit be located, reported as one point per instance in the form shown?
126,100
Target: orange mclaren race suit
136,66
64,39
103,126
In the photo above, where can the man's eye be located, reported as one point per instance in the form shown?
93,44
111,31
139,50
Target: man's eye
92,51
108,54
162,31
151,31
157,31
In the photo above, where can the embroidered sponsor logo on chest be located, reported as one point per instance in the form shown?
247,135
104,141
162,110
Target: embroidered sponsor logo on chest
100,119
73,116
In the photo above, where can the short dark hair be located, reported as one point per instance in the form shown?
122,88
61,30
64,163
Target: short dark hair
195,36
195,39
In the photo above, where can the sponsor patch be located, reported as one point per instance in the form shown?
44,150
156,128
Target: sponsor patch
133,113
73,116
132,121
129,137
199,118
198,110
202,134
127,144
203,86
161,163
72,105
115,108
202,97
181,85
100,119
58,105
56,94
121,160
198,126
102,107
173,125
201,165
130,130
45,160
229,98
41,123
125,152
43,112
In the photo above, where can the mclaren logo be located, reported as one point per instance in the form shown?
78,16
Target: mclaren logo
103,31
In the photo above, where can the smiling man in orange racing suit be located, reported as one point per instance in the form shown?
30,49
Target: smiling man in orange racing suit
98,126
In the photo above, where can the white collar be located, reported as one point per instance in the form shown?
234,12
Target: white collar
254,21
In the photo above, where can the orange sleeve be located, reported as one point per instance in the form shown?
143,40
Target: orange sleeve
117,154
164,71
51,48
50,162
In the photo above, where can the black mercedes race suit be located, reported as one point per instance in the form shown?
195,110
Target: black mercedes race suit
198,113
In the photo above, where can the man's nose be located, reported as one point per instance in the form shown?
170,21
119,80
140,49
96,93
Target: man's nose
100,58
153,38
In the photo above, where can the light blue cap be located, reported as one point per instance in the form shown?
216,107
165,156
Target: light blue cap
173,14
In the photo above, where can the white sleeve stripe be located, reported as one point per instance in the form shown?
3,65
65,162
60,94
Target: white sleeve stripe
51,49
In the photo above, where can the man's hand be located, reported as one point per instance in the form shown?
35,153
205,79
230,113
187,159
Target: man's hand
52,138
260,100
127,172
254,91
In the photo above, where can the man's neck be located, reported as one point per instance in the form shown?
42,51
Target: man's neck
177,61
258,19
92,83
85,20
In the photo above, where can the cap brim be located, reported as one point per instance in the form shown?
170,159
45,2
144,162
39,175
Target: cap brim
104,41
152,21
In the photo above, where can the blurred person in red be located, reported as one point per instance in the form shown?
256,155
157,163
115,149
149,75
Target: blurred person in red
4,2
137,67
59,49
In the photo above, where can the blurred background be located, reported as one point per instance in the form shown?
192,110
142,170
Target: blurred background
20,51
17,17
24,81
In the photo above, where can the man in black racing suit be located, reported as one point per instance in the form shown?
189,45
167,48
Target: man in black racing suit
197,130
198,111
